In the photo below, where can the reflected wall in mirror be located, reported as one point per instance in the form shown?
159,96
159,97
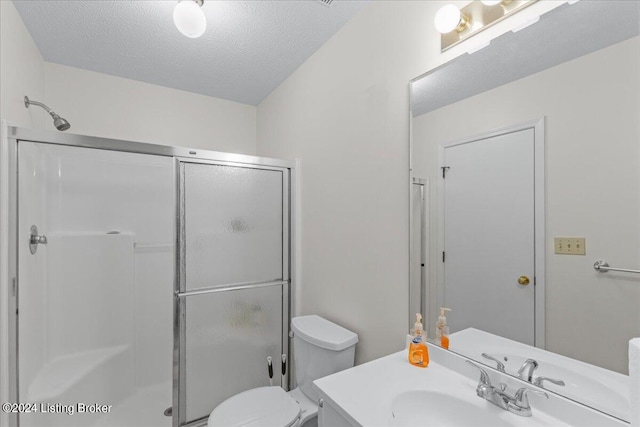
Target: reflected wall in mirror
555,109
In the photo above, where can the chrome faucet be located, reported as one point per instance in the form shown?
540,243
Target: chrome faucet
526,370
517,404
526,373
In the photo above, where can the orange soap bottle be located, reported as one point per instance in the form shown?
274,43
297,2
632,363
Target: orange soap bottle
442,330
418,351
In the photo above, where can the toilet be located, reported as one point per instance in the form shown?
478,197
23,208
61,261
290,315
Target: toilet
321,348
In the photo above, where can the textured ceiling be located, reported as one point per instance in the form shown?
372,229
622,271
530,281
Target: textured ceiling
249,48
563,34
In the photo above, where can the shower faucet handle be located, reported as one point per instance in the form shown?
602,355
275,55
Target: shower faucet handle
35,239
38,240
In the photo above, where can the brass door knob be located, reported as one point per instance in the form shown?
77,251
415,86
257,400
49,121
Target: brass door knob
523,280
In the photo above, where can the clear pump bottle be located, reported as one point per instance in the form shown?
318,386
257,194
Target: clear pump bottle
418,351
442,330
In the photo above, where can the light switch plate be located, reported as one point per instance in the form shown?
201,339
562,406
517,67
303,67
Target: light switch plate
570,245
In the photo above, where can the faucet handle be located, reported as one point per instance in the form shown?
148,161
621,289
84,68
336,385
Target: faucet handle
539,380
484,377
500,365
521,396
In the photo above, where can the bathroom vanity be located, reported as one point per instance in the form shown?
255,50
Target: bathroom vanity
391,392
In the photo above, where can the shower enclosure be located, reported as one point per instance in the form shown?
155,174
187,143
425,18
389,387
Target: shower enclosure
149,283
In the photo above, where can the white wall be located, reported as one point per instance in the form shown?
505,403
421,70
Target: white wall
21,70
113,107
591,106
352,175
345,114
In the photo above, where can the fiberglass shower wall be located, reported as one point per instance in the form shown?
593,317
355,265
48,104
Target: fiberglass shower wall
95,302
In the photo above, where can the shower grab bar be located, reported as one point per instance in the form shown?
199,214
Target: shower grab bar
231,287
603,266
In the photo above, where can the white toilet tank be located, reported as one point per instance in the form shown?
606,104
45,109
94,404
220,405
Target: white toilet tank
320,348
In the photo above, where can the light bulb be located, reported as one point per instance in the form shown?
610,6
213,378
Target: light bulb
189,18
491,2
448,18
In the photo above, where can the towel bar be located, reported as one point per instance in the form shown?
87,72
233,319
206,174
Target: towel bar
603,266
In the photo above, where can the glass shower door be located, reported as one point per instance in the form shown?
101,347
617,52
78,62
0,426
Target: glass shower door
95,293
233,290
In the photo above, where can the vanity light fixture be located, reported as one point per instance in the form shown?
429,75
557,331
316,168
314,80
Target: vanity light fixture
189,18
495,2
449,18
456,25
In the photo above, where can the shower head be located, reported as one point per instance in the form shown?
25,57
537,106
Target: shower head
60,123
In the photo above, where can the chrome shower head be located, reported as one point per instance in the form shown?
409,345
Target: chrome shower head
60,123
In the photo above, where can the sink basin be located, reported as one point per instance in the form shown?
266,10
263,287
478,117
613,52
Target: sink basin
435,409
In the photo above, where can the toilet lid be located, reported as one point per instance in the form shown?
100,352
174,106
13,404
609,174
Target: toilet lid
262,406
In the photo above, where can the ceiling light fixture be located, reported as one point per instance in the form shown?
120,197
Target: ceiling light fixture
456,25
189,18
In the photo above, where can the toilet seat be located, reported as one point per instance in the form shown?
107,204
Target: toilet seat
258,407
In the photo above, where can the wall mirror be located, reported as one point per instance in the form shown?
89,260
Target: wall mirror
525,171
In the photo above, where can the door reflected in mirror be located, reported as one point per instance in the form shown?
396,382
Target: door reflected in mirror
532,139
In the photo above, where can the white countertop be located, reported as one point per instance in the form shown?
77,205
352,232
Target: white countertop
363,395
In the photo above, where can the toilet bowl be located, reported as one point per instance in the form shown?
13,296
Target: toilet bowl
321,348
262,406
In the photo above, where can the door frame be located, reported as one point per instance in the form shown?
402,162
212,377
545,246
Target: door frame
10,136
424,299
539,192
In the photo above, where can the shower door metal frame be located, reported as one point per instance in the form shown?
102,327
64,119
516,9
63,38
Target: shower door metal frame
9,161
12,135
181,293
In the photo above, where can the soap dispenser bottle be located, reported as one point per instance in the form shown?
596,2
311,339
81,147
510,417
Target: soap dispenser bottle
442,330
418,351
